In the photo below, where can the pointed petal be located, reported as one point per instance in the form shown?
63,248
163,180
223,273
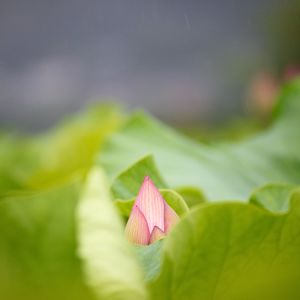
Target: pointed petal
151,204
171,218
156,235
136,229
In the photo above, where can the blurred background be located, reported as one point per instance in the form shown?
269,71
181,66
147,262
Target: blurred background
188,62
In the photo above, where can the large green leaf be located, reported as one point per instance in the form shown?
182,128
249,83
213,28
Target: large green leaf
274,197
38,257
70,149
225,171
232,251
55,156
18,161
110,266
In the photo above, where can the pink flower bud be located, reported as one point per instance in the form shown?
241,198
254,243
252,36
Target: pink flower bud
151,217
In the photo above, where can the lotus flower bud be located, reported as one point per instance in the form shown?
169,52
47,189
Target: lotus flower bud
151,217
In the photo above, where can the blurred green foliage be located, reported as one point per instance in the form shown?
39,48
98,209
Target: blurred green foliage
64,196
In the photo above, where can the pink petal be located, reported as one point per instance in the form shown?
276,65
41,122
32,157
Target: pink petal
136,229
171,218
156,235
151,204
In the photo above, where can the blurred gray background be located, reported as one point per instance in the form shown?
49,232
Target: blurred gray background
186,61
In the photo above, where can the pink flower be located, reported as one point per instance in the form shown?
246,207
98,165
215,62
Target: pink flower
151,217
